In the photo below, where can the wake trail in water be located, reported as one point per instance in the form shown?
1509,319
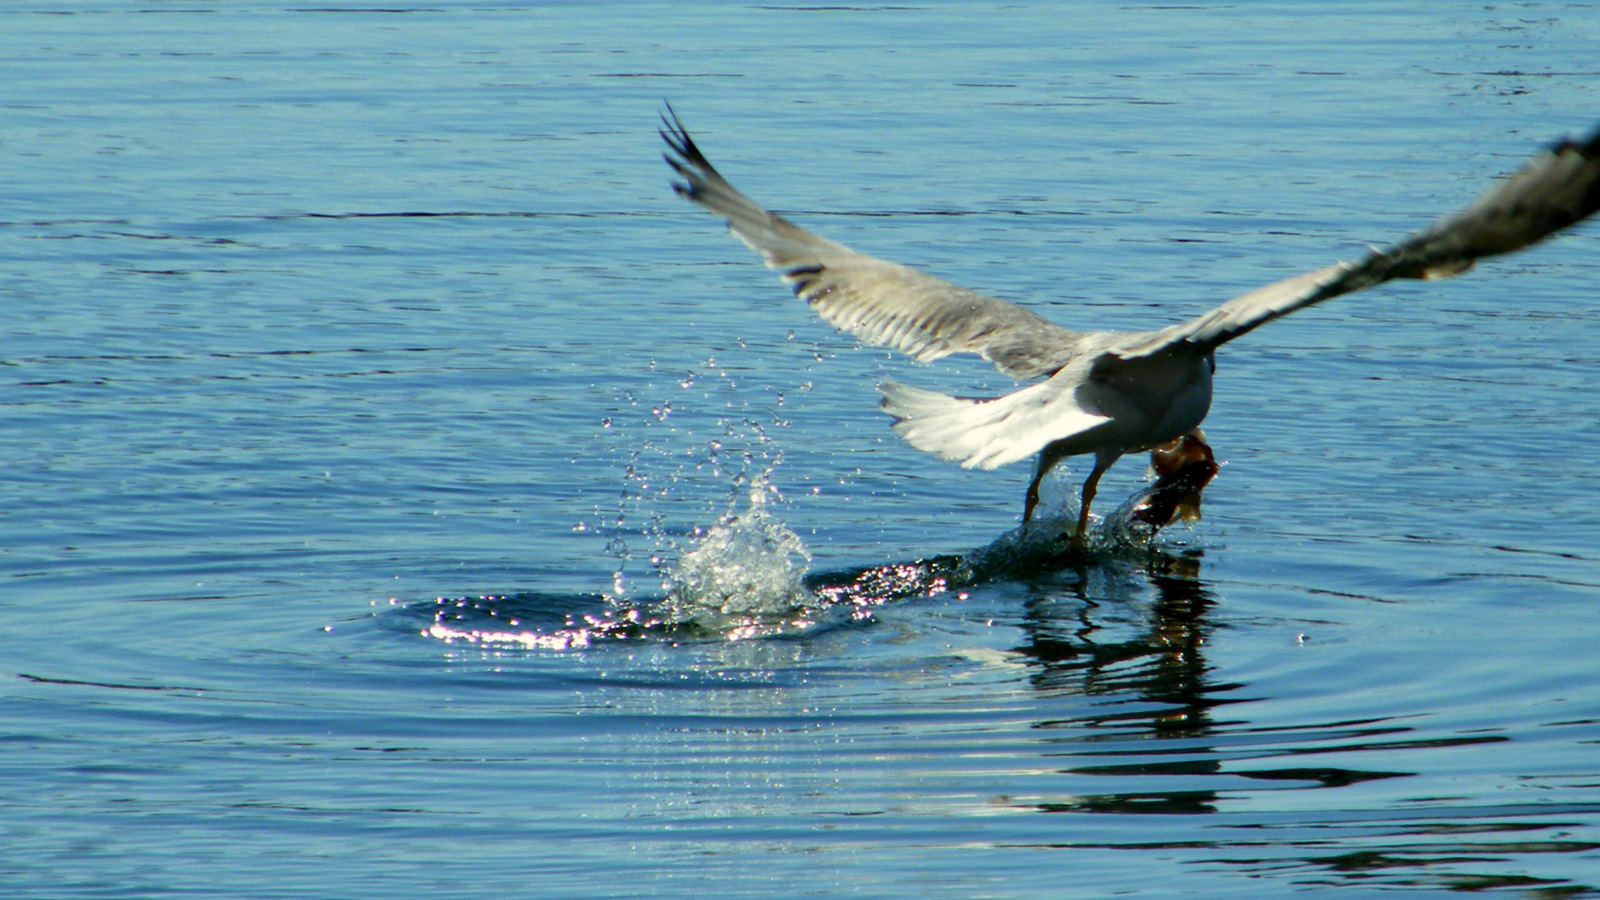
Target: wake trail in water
747,577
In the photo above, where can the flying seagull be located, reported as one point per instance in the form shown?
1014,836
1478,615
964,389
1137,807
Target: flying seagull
1102,392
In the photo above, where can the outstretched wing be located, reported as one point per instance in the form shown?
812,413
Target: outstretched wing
877,301
1556,189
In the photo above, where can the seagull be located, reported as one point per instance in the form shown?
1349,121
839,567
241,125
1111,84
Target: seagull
1105,393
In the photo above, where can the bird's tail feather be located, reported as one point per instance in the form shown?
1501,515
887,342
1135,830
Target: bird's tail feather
978,433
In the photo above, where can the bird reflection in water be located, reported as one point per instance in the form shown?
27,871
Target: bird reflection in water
1123,627
1162,662
1154,673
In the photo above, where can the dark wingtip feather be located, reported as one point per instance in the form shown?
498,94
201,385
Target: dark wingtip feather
1587,146
684,157
677,137
669,141
1590,146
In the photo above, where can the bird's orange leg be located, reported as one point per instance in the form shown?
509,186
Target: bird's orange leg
1102,462
1047,461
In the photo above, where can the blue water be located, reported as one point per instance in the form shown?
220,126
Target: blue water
402,493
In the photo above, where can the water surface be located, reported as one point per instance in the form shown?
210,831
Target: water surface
368,398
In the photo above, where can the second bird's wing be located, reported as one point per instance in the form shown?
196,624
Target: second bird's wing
1556,189
879,302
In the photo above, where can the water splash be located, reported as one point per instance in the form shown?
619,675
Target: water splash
682,440
748,567
747,575
743,577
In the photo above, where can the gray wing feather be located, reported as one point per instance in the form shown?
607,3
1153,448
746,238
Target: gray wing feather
879,302
1555,190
